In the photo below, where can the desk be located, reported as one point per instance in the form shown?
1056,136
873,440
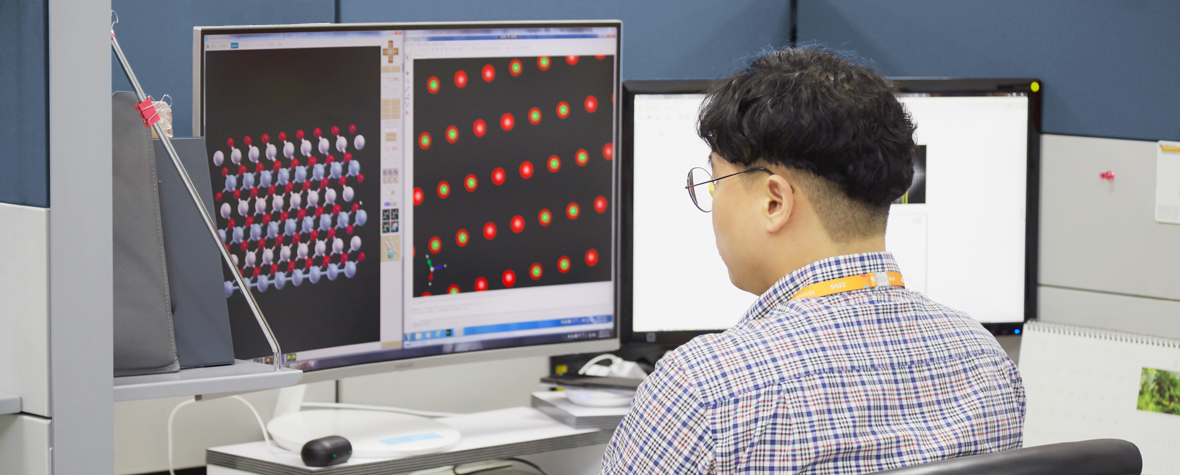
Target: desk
486,435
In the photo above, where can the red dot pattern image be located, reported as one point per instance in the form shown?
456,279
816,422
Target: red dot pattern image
418,196
481,284
517,224
526,169
498,176
489,231
591,257
507,122
608,151
591,104
509,278
489,73
600,204
479,128
460,78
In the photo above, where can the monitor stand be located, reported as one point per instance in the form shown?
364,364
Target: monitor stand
374,434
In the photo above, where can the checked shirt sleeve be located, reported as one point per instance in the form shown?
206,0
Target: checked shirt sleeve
666,431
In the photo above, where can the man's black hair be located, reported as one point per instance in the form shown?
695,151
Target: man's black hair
814,112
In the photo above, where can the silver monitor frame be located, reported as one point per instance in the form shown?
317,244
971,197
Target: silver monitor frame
591,346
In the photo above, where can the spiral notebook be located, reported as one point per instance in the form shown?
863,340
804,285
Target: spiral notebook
1084,383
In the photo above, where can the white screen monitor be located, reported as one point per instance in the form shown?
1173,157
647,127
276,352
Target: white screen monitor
406,195
970,212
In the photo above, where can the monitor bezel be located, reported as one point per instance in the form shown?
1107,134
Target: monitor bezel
934,86
544,350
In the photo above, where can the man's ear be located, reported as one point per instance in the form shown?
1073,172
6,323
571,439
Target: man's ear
780,203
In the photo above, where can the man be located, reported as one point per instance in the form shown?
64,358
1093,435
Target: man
837,368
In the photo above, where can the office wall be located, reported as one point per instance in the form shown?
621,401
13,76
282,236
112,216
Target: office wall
24,102
157,38
1109,67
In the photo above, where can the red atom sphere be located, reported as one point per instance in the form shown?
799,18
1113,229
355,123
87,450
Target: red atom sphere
470,183
479,128
299,134
489,231
444,189
317,132
517,224
535,271
591,257
498,176
454,289
433,85
452,134
481,284
418,196
591,104
554,163
489,73
608,151
435,244
515,67
563,264
352,128
460,78
563,109
572,211
581,157
424,140
571,59
543,63
265,138
600,204
509,278
335,130
230,142
507,121
544,217
535,116
526,169
461,238
282,136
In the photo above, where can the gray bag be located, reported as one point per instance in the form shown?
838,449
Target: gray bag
144,339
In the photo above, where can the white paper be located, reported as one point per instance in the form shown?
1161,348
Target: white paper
1167,182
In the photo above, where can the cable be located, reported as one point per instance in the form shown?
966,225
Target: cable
363,407
170,416
265,436
510,459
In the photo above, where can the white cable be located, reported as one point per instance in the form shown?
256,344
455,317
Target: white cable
170,416
363,407
265,436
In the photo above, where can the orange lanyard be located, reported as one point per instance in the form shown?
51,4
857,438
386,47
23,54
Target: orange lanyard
856,282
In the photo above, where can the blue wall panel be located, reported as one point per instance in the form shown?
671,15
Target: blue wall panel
662,39
1110,68
157,38
24,102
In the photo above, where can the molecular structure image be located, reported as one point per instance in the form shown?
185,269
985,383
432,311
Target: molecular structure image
288,219
512,179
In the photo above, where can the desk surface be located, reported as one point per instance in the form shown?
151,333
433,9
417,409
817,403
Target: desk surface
486,435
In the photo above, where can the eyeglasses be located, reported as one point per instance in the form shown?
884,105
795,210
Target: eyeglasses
700,177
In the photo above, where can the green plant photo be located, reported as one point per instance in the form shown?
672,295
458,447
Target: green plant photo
1159,391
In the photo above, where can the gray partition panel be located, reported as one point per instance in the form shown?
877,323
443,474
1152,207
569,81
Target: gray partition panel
1140,315
1102,235
199,312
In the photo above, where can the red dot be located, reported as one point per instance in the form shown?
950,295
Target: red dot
452,134
461,238
335,130
498,176
331,158
418,196
526,169
317,132
608,151
352,129
571,59
591,257
299,134
347,157
424,140
489,231
265,138
509,278
573,211
535,271
360,177
600,204
432,84
543,63
454,289
444,189
360,257
591,104
554,163
217,196
563,109
517,224
425,294
563,264
489,73
460,78
230,142
600,56
479,128
515,67
481,284
282,136
470,182
535,116
507,121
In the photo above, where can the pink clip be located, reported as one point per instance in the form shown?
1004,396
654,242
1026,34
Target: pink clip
147,112
1107,175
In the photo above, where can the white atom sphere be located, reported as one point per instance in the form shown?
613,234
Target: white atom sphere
235,156
354,244
320,247
260,207
268,256
285,254
296,200
271,151
302,251
248,180
358,142
243,208
342,220
277,203
354,167
348,193
255,231
350,269
330,196
231,182
333,272
305,148
280,281
238,234
361,217
341,143
337,246
325,222
313,198
221,232
218,158
234,258
250,258
298,279
225,210
262,281
337,168
323,146
289,152
253,154
315,274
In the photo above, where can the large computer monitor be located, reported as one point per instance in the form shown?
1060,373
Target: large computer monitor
965,234
406,195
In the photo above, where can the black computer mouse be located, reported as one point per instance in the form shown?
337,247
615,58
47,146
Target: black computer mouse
325,452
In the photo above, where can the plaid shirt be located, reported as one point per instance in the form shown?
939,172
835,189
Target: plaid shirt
855,382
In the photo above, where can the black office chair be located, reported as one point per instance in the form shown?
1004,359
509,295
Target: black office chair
1088,457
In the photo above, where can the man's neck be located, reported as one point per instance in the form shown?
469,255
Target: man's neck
803,256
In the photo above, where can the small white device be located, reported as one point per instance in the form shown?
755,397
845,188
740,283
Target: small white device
372,433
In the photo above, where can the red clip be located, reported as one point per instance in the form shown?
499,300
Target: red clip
1107,175
147,112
